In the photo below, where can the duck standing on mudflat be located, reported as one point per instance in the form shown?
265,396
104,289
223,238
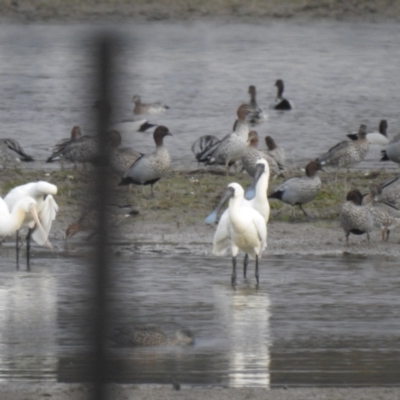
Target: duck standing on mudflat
11,152
354,217
280,102
275,151
232,147
385,215
149,168
300,190
347,153
252,155
391,191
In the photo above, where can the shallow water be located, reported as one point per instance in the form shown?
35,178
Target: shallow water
313,320
338,74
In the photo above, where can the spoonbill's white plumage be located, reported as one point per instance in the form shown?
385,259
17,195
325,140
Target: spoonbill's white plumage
42,192
10,222
240,228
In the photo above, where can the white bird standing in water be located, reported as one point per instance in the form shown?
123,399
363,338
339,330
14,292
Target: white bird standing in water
42,192
245,229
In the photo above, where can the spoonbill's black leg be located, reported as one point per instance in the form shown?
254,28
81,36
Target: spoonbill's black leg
245,263
233,279
257,270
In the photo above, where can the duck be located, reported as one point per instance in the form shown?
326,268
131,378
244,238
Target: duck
202,144
12,152
280,102
392,150
384,215
129,126
245,229
347,154
300,190
82,148
378,138
232,147
354,217
150,108
258,115
252,155
275,151
88,219
390,191
151,336
42,192
149,168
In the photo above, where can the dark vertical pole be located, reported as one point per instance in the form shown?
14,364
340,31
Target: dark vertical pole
101,192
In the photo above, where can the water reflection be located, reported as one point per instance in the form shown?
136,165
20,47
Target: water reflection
246,312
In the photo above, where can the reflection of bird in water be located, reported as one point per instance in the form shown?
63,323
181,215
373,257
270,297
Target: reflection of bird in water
151,336
11,152
88,219
47,209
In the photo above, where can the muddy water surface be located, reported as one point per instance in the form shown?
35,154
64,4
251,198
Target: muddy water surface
313,320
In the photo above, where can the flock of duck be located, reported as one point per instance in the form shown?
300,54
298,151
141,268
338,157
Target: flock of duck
243,225
238,149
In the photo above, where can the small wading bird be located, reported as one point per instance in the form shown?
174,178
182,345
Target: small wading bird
42,192
149,168
245,230
354,217
257,115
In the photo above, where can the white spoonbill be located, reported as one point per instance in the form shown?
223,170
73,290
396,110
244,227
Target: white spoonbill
10,222
42,192
256,197
247,229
